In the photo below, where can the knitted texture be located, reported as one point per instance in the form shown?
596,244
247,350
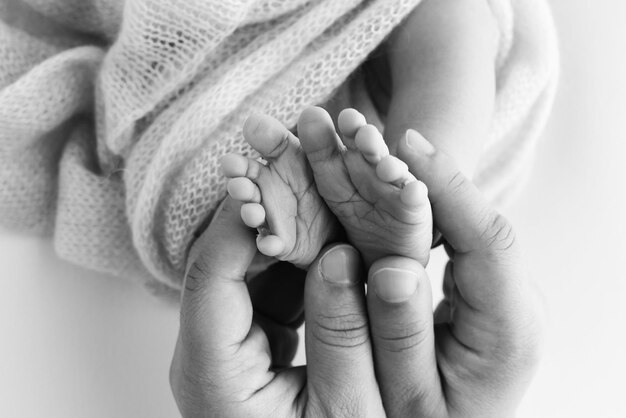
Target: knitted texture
114,114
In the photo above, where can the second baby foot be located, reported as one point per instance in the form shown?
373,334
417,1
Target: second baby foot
280,198
383,208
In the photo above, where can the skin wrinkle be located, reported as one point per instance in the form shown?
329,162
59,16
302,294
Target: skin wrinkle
450,331
382,211
280,146
457,298
415,334
498,229
341,404
352,329
193,282
300,195
457,182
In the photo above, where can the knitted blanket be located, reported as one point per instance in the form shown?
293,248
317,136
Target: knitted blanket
114,114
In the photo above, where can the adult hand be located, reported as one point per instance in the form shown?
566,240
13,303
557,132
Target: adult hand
368,355
488,330
222,364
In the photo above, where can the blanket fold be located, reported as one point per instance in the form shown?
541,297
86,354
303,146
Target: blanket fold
114,114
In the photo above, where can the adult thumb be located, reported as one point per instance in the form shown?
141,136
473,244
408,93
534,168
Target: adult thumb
216,310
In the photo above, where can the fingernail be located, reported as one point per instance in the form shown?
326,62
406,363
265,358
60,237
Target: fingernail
418,143
340,265
394,285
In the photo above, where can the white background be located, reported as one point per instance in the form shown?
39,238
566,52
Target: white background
73,343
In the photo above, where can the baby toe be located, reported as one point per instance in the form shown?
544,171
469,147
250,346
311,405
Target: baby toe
414,194
371,144
392,170
234,165
270,245
266,135
253,214
244,190
317,135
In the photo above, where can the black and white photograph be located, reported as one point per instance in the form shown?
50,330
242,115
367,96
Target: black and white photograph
312,208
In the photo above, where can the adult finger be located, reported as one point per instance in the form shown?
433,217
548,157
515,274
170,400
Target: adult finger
399,302
487,284
215,308
465,218
221,354
339,356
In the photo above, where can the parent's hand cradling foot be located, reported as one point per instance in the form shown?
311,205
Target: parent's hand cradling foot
488,328
222,356
374,355
222,362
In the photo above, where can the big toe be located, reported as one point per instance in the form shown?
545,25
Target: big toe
325,152
266,135
317,134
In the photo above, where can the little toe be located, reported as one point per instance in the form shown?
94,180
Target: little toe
267,136
393,170
414,194
253,215
371,144
270,245
244,190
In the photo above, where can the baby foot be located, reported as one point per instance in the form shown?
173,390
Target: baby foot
280,197
383,208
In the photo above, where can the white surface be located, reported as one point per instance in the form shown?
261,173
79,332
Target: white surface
78,344
571,219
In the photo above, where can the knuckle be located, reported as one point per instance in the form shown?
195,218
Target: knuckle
195,279
347,405
497,232
457,182
342,331
405,337
325,403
